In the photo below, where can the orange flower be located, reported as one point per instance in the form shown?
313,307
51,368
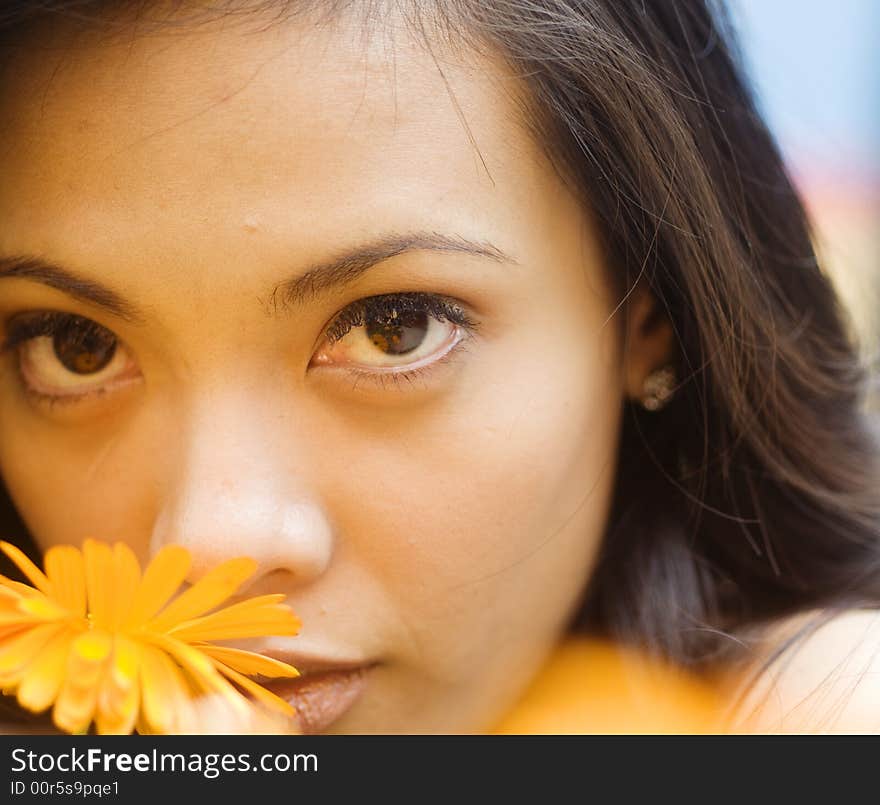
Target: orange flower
102,642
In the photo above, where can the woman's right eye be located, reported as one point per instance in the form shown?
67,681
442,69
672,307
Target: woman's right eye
63,357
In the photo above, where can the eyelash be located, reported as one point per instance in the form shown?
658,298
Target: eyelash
382,306
358,313
51,323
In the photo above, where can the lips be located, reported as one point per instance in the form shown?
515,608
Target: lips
329,684
321,697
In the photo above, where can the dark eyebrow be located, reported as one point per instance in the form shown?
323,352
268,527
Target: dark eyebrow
55,276
316,280
347,267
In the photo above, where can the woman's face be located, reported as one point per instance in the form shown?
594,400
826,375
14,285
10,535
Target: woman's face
213,200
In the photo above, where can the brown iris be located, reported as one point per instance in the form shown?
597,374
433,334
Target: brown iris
399,332
84,353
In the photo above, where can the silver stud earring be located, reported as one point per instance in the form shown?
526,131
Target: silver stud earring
658,388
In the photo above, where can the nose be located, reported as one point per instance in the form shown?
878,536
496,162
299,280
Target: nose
234,488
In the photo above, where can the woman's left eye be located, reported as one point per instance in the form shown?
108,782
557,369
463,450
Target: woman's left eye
395,336
63,357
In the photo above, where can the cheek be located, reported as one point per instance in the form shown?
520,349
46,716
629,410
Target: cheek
485,518
66,489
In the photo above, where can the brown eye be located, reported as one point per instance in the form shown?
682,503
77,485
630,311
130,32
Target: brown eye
66,357
394,335
398,332
84,353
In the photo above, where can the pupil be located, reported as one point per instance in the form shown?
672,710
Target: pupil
86,354
399,332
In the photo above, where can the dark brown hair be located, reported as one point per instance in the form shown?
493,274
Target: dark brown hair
754,494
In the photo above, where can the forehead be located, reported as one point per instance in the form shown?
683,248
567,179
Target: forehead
246,126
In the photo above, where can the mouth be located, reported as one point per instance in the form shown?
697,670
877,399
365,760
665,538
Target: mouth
323,692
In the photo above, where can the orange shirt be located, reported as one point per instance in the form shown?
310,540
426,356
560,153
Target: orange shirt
590,686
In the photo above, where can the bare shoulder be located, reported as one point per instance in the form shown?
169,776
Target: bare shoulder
825,680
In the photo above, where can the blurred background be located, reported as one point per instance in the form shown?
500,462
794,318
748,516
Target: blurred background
815,68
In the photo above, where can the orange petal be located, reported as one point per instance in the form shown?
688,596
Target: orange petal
8,597
66,572
158,711
263,696
42,682
119,697
13,621
126,579
10,629
242,611
212,589
200,668
247,662
10,602
253,618
183,705
141,725
265,623
21,649
86,665
98,560
43,608
26,566
22,590
163,576
166,693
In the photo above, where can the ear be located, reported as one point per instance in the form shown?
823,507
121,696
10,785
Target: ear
648,340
